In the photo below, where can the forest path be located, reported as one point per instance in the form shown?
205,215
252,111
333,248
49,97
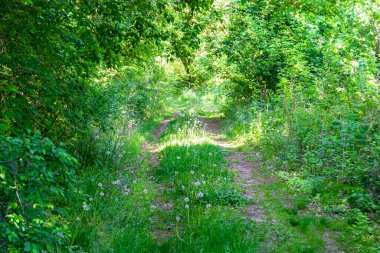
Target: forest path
266,194
247,173
247,170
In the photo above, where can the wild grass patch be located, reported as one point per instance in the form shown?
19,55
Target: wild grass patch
204,193
112,209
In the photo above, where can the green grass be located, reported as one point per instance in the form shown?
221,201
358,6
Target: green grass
205,205
292,230
112,211
203,193
315,195
119,206
299,218
217,230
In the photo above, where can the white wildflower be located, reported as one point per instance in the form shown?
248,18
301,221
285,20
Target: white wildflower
208,206
197,183
90,199
145,191
100,185
186,199
178,218
187,206
101,194
182,187
200,195
178,157
192,172
108,152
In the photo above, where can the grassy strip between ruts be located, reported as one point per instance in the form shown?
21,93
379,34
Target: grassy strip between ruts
203,197
116,208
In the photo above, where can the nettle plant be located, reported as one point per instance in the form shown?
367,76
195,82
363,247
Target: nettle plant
35,173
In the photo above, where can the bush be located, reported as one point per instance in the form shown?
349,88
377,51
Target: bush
35,174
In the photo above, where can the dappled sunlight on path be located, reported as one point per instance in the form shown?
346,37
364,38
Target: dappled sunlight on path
191,154
247,174
211,135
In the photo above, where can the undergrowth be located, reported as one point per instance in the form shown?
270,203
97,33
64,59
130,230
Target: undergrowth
111,210
327,160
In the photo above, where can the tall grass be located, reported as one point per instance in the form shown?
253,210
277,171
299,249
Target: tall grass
112,210
324,156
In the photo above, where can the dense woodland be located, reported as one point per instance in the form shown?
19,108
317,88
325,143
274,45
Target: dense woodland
105,117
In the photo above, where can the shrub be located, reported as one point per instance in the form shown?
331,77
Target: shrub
35,174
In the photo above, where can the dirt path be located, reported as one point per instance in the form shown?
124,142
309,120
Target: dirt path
151,147
162,231
248,175
245,168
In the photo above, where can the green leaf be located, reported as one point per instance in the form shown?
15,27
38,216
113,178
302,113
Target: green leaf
27,247
12,88
28,2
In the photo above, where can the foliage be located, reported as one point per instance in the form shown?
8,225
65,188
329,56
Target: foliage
35,177
303,86
82,83
184,32
61,82
276,45
47,64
